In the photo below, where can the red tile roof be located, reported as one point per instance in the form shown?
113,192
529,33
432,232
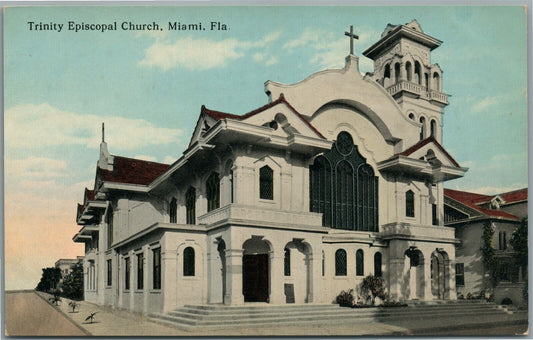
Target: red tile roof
222,115
89,195
425,142
133,171
469,199
515,196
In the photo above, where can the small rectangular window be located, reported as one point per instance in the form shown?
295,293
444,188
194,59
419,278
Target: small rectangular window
157,268
434,217
410,204
266,183
505,272
140,271
127,273
109,272
459,274
287,262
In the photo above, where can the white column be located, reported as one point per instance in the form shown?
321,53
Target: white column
277,288
451,292
428,296
234,294
396,270
168,283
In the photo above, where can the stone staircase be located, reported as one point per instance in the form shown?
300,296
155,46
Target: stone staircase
417,314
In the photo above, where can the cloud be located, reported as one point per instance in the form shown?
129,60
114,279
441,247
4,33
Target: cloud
169,159
200,54
485,103
490,190
271,61
146,158
329,46
35,167
38,126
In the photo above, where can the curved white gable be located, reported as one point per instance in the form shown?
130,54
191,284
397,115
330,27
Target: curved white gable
348,87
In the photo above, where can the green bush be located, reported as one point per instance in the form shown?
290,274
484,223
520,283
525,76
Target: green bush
372,288
345,298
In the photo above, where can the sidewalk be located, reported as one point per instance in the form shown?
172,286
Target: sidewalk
116,322
112,322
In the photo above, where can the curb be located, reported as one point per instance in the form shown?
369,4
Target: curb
65,315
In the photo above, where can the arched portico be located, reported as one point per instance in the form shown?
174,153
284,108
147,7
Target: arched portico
298,271
440,274
414,278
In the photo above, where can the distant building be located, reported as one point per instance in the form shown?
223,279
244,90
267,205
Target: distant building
337,177
468,213
66,266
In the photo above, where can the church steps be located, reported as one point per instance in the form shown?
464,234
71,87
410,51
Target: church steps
220,316
265,312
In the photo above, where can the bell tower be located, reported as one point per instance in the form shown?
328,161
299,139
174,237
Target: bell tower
402,65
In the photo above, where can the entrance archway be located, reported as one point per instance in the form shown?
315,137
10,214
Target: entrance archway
255,267
298,271
439,274
414,274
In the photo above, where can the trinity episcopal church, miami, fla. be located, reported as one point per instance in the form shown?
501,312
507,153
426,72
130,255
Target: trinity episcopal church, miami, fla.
337,177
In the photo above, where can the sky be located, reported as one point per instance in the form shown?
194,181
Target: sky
148,88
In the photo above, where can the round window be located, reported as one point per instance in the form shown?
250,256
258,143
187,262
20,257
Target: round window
344,143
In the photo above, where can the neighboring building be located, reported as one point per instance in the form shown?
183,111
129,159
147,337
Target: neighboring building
469,213
338,177
66,266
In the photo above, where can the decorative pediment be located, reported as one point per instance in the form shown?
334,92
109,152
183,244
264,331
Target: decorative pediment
426,158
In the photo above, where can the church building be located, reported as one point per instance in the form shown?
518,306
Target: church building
337,177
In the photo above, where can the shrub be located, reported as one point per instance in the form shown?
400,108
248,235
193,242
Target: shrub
372,287
345,298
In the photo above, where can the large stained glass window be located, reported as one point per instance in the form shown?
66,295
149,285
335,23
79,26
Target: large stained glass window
343,188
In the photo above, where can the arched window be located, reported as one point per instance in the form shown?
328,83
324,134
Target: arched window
418,74
433,128
411,116
408,70
436,81
359,263
266,183
344,190
190,205
109,219
502,240
377,265
410,204
397,72
387,71
346,195
213,191
173,210
340,262
426,81
423,128
188,262
287,262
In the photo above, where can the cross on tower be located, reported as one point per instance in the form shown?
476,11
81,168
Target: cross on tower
352,37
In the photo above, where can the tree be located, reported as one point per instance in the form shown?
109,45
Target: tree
73,283
49,279
487,250
519,242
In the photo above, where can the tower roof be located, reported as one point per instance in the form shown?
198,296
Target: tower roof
393,33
